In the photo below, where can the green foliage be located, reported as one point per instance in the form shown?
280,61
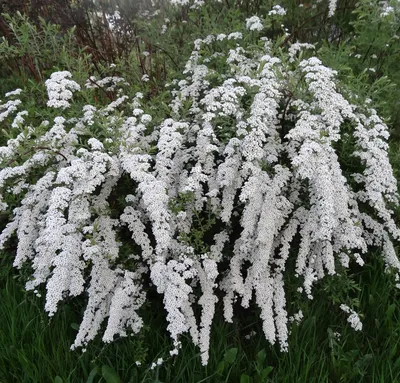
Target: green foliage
109,374
367,58
36,51
34,349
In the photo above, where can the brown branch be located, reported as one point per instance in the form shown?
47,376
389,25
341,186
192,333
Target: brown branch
170,57
287,104
100,87
307,21
301,26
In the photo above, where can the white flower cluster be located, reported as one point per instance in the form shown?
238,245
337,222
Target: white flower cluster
254,23
389,8
11,106
60,89
277,10
248,163
332,7
353,318
194,4
297,48
108,83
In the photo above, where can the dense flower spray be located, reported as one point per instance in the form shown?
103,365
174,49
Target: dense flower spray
243,175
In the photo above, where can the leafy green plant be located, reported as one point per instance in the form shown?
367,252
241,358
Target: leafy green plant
360,44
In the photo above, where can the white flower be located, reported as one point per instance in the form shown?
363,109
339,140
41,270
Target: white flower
108,83
235,36
353,318
277,10
8,108
15,92
60,89
332,7
254,24
386,10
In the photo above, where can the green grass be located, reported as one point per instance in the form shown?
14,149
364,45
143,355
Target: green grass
35,349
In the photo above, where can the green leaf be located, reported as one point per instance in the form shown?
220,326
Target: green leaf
230,355
246,379
265,372
92,375
75,326
220,367
390,311
57,379
362,364
371,300
396,365
110,375
350,356
393,352
261,356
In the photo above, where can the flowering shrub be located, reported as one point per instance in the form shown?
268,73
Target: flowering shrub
242,175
